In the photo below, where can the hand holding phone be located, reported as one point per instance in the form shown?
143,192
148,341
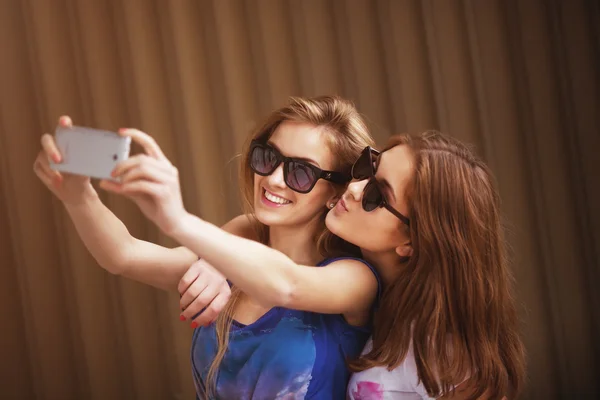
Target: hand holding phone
89,152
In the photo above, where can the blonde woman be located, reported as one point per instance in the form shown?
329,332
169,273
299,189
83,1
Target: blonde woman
289,326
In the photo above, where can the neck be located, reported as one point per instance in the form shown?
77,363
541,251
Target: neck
297,244
388,264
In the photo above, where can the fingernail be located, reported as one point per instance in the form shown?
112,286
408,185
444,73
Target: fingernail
56,158
181,318
194,325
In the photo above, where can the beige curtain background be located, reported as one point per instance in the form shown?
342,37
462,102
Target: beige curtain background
517,78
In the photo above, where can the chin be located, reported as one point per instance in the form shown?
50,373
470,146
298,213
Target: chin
267,218
339,227
270,217
333,224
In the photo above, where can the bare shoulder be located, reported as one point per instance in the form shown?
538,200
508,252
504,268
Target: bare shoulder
350,263
354,282
353,267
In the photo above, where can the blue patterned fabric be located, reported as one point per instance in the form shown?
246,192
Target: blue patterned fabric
285,354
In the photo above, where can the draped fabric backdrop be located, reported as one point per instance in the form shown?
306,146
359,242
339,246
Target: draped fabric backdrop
519,79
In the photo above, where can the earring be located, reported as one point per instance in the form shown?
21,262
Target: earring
331,205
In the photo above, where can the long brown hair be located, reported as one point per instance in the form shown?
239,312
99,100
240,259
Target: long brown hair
452,299
347,135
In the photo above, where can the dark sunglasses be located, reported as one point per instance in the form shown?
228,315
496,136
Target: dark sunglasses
299,175
365,168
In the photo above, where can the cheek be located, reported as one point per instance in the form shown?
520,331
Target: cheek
316,198
307,206
381,237
258,183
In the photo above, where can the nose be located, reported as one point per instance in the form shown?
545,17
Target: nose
355,189
276,179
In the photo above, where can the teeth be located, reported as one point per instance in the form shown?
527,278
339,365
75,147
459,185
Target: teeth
275,199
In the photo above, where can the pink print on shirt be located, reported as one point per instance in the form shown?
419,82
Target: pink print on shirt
366,390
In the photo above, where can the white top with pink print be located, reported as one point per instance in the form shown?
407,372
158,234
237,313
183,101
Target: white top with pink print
401,383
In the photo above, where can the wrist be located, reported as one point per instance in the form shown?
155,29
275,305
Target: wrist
87,195
178,228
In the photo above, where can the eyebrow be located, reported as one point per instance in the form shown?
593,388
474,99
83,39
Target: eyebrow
310,160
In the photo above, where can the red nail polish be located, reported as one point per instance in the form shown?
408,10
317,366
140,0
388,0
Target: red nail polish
194,325
181,318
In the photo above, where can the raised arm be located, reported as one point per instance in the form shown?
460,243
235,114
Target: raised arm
105,236
117,251
347,286
269,276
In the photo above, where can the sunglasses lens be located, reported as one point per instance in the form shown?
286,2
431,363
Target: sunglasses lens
364,167
263,160
372,197
300,177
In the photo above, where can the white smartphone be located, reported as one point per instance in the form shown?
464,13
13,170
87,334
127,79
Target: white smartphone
90,152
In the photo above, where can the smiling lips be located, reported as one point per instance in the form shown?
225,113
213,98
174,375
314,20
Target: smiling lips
273,199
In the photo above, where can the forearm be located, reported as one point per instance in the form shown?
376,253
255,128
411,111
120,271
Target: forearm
102,233
263,273
115,250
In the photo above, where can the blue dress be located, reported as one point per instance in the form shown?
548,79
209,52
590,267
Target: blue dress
285,354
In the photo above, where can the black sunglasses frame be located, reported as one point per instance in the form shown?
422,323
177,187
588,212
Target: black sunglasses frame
373,186
331,176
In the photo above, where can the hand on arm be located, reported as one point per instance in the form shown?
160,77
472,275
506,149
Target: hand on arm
204,293
204,290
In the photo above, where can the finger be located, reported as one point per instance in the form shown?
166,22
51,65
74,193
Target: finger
151,189
42,166
146,141
213,310
145,172
109,186
142,166
50,148
65,121
125,165
189,277
139,159
200,302
115,187
49,178
195,289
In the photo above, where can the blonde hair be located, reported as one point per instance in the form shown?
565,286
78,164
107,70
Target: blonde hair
347,137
